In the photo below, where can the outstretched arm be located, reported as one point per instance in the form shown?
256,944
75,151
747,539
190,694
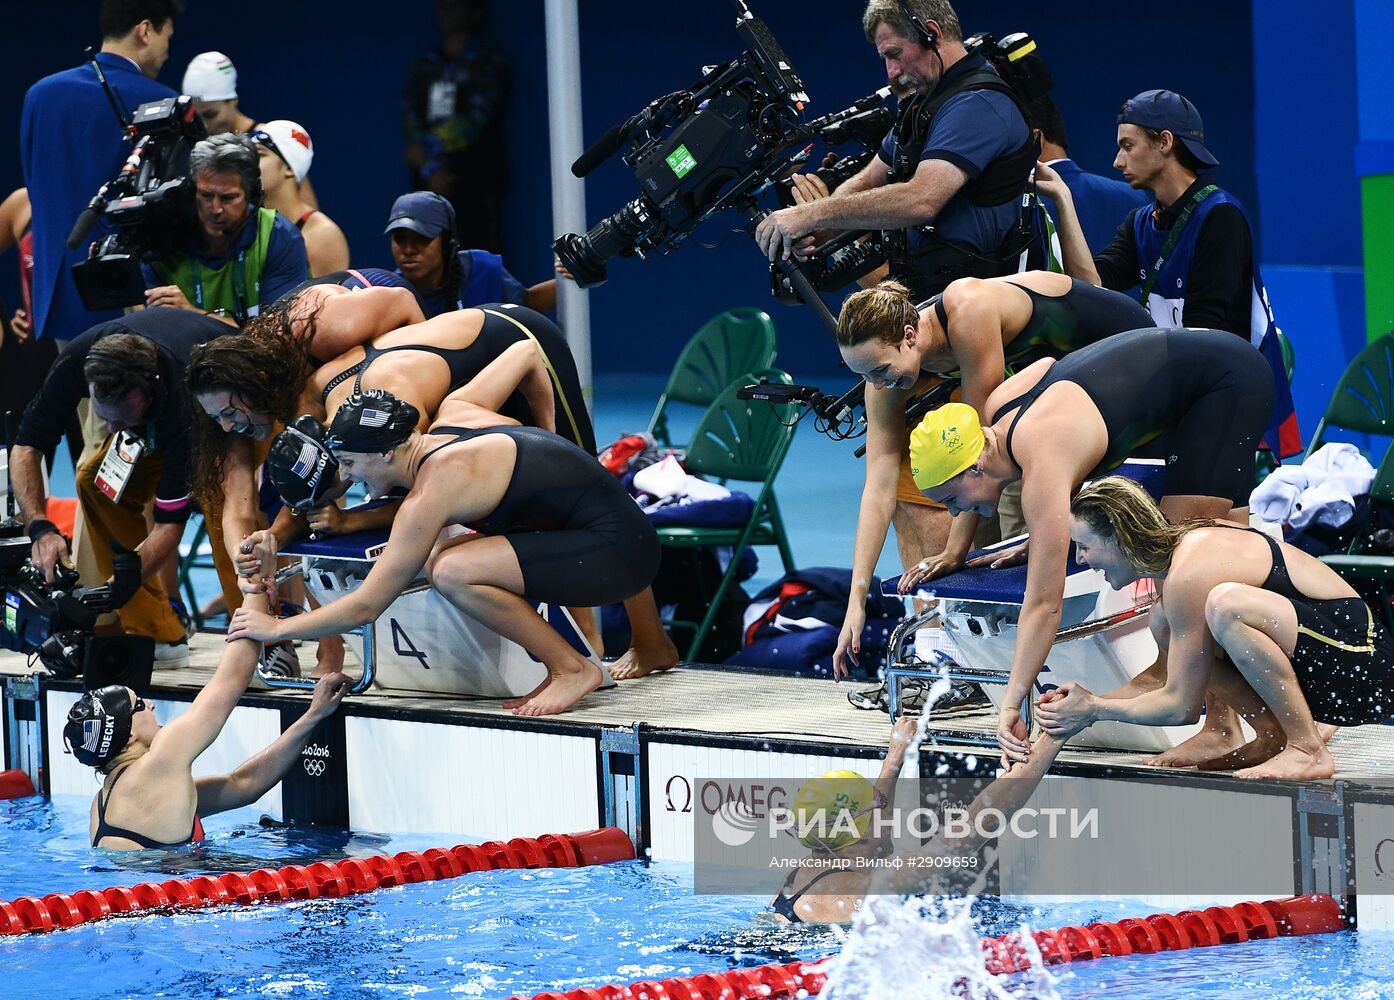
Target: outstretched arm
414,533
260,772
186,737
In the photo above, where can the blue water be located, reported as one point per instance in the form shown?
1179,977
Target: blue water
496,934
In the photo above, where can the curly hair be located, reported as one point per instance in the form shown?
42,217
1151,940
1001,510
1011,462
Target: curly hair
1118,509
881,313
266,368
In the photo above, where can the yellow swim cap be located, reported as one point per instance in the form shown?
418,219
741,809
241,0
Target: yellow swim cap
833,810
947,441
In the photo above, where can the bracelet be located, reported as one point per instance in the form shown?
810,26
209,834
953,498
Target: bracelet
41,526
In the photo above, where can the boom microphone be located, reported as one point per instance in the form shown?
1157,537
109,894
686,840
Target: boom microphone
600,151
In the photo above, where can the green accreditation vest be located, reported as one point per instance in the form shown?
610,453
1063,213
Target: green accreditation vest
235,286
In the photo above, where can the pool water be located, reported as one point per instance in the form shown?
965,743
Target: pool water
497,934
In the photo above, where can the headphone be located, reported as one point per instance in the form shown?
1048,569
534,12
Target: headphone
926,35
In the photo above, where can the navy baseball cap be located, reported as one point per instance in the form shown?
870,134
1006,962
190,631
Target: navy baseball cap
423,212
1167,110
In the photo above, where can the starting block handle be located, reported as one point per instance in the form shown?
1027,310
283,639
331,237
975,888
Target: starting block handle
308,683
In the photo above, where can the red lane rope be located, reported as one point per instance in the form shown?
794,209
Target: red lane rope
1296,915
331,879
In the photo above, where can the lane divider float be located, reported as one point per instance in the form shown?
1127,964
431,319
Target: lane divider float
1216,925
327,879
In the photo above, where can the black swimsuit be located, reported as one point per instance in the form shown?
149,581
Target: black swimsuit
1344,659
1211,392
580,539
105,829
504,326
1060,324
784,902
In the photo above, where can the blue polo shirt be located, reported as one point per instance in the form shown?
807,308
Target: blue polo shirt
970,131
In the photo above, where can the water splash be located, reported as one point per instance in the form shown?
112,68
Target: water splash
928,949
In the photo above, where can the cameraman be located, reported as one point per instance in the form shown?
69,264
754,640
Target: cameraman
242,254
133,370
950,175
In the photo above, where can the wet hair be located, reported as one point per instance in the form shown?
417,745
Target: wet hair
118,18
881,313
890,13
1179,149
1119,510
120,362
266,368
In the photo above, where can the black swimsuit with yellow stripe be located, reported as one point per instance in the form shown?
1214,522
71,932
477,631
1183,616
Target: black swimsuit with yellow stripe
1344,659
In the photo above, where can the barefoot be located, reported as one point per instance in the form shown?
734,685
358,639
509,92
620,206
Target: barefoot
524,699
1254,752
1204,745
329,656
1294,764
1326,730
565,690
640,661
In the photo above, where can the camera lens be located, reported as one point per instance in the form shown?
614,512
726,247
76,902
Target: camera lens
579,257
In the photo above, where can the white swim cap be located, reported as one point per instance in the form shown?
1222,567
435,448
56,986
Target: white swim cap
290,142
211,77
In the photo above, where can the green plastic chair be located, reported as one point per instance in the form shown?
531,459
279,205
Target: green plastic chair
189,563
1364,398
726,347
1357,563
744,440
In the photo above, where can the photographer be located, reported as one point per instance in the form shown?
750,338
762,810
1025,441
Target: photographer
133,370
950,174
241,254
70,143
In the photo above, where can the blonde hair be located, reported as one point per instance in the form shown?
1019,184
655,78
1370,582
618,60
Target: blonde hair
1118,509
880,313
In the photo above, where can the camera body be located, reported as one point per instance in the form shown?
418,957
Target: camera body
42,618
695,153
149,203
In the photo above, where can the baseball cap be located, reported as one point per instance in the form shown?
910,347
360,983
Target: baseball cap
946,442
423,212
211,77
290,142
1165,109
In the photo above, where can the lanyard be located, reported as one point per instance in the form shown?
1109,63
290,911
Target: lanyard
1172,237
239,285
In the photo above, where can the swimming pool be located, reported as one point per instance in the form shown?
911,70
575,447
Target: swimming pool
503,933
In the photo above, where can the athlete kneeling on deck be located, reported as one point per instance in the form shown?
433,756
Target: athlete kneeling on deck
159,803
1299,645
552,524
1059,423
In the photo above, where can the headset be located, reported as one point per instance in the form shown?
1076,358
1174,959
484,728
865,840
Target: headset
926,35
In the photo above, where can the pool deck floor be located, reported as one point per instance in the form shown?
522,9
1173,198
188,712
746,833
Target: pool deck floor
731,704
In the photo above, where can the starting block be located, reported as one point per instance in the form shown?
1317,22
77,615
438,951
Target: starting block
1102,643
422,643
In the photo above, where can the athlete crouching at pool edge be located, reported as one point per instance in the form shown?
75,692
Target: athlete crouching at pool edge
551,525
150,799
1288,641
